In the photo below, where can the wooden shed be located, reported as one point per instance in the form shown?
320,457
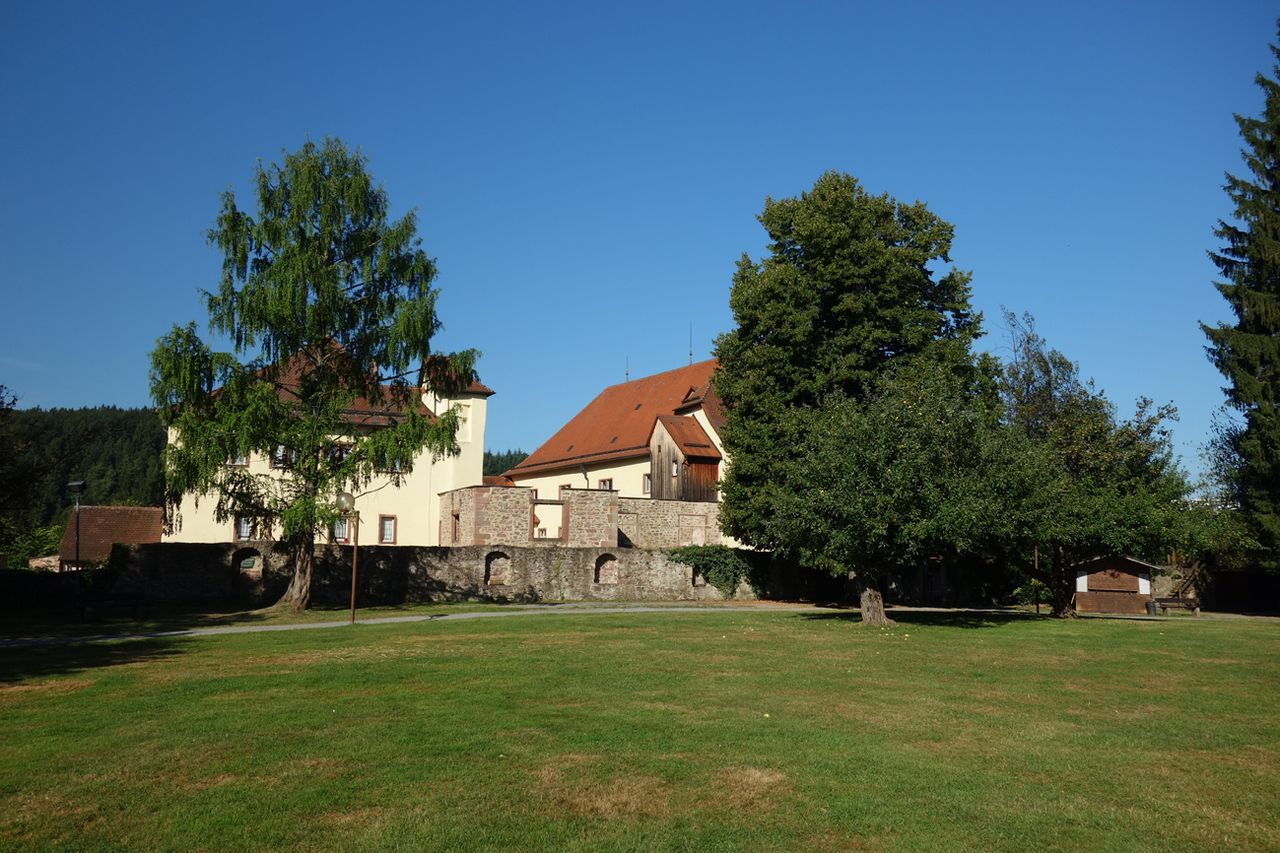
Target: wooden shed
1113,585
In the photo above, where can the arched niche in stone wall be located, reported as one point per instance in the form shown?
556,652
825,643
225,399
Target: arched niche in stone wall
606,569
497,569
248,563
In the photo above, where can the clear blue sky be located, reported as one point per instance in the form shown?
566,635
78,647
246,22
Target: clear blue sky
587,174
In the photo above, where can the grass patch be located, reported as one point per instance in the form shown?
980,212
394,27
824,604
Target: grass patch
725,730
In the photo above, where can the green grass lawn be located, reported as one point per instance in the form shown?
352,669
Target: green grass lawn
696,731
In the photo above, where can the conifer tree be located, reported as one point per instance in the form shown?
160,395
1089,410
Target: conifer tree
1247,352
326,301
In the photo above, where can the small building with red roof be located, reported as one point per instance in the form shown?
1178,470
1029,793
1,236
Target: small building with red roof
93,530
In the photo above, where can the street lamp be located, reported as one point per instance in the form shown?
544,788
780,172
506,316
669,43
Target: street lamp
75,487
347,506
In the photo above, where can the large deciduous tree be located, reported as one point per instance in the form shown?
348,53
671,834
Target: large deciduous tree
326,301
920,470
1248,350
1102,485
846,290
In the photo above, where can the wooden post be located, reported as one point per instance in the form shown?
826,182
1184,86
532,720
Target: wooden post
355,555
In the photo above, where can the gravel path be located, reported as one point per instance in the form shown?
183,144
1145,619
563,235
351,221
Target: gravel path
521,610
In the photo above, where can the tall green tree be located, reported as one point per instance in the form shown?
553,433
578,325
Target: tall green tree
1101,485
1247,352
920,471
325,300
846,290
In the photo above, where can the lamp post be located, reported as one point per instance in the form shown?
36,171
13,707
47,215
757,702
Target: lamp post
347,506
75,487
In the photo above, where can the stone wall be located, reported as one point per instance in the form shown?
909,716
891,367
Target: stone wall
506,517
585,518
669,524
591,516
190,573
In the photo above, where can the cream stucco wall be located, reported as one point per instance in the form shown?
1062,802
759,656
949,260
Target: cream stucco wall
627,475
415,503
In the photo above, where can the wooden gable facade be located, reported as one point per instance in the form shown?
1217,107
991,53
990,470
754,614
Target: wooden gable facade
683,459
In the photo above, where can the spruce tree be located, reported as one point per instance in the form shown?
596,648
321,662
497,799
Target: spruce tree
1248,350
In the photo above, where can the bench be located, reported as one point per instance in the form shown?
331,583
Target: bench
1164,604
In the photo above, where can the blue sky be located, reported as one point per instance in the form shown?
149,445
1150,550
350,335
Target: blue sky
587,174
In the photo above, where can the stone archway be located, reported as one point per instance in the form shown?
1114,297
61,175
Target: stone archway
497,569
606,569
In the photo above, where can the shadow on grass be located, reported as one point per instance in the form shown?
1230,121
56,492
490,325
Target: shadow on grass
940,618
19,664
108,620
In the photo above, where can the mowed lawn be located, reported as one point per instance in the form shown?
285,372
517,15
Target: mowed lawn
697,731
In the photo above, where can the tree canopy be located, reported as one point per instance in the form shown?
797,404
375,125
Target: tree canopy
326,301
846,290
1247,352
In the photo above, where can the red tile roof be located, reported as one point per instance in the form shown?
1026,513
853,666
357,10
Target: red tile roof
361,411
617,423
689,436
497,480
103,526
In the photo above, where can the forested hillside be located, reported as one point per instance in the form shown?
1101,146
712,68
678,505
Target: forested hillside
115,451
504,460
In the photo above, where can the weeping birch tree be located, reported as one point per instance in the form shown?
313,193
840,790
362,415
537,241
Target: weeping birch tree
328,305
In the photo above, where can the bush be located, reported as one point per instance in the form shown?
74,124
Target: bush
721,566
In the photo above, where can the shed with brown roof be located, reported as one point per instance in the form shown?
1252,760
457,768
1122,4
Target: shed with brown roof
103,526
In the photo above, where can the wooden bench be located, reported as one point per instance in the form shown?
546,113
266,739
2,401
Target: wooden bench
1164,604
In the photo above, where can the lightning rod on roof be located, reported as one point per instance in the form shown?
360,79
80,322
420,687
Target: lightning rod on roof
626,374
691,342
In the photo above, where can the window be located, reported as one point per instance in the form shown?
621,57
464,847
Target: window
646,487
388,465
243,527
542,533
238,459
341,531
338,453
675,469
283,457
534,492
457,527
606,483
563,487
386,529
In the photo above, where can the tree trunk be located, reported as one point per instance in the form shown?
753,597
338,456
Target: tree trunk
1062,586
871,603
298,595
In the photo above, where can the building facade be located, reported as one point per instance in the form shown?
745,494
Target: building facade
406,514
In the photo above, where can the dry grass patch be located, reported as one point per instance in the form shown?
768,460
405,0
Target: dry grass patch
52,687
751,788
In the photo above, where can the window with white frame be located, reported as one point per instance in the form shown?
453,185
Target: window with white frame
341,530
244,527
542,533
387,529
606,484
238,459
646,487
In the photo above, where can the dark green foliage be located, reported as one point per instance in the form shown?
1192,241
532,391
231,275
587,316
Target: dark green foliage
500,462
845,291
326,300
117,452
1247,352
919,470
721,566
1102,485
